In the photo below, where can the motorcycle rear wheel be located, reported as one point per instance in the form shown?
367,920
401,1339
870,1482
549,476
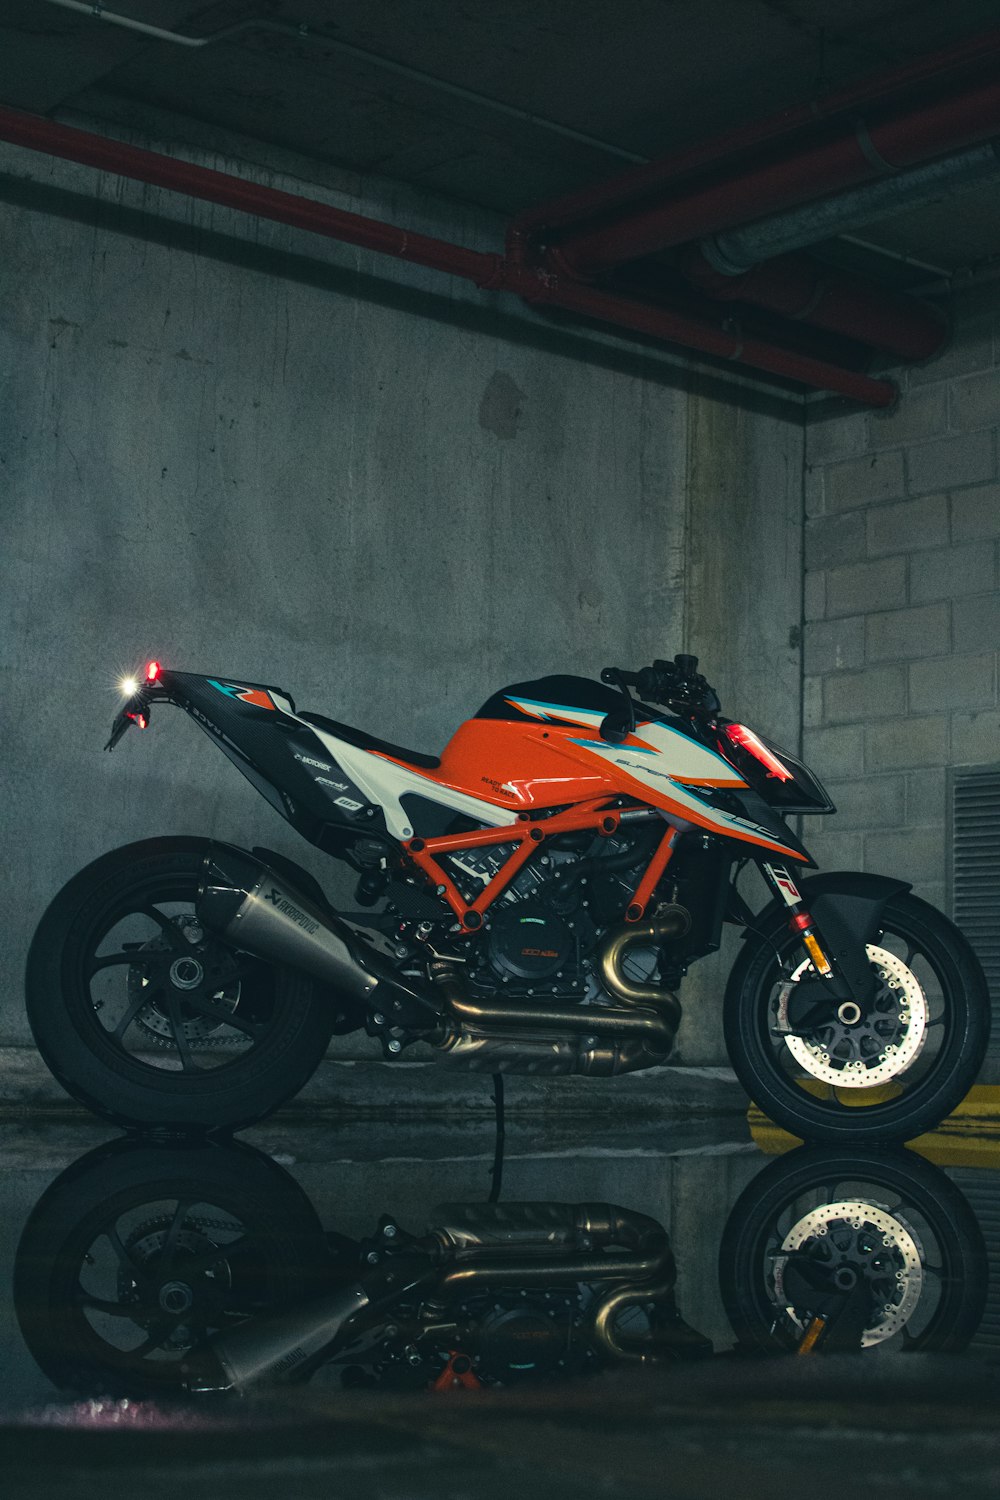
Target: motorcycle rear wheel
955,1025
138,1253
151,1022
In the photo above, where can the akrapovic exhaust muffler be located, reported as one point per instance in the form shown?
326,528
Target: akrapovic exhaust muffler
259,912
273,1347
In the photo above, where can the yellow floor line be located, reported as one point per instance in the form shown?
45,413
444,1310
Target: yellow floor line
969,1137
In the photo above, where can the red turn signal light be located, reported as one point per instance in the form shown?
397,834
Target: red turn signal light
152,671
747,740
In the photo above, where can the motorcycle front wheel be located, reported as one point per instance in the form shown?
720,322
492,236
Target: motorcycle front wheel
820,1228
149,1020
898,1071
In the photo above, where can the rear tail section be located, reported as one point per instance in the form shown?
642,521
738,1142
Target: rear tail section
255,725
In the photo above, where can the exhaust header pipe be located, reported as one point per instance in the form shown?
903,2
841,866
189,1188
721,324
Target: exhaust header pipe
256,910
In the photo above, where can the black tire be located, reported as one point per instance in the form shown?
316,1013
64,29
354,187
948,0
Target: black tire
272,1028
132,1226
955,1270
939,1077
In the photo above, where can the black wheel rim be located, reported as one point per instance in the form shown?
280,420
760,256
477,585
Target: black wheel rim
164,993
818,1096
900,1227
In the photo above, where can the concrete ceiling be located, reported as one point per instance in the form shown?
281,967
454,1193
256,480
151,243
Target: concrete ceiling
640,77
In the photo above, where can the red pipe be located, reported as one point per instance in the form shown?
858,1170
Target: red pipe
799,287
726,344
39,134
839,159
486,270
720,150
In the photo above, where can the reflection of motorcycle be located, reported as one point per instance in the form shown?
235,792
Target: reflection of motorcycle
158,1268
136,1254
149,1268
831,1250
546,885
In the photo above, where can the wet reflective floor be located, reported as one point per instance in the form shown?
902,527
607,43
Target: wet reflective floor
683,1308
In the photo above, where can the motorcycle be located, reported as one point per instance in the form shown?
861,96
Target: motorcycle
542,889
157,1270
202,1267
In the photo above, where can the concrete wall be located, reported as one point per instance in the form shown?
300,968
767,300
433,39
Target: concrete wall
241,449
902,611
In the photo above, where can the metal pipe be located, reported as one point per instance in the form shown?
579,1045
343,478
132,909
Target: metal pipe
799,287
489,271
735,251
302,33
669,171
620,1299
672,923
727,342
178,176
464,1229
579,1020
841,158
540,1270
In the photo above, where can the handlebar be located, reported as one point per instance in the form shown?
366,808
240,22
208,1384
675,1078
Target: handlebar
675,683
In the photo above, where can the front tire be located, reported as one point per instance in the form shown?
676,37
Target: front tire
890,1217
148,1020
794,1081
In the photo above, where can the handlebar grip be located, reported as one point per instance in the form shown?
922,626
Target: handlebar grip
616,675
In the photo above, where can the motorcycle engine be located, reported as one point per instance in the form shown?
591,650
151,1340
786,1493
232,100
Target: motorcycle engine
530,941
522,1336
539,934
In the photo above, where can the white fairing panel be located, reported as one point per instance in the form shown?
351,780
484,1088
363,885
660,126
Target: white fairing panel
667,760
385,783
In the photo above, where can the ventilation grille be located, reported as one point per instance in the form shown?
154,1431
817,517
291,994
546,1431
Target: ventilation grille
975,881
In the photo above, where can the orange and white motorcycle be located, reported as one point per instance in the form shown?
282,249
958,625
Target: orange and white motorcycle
532,900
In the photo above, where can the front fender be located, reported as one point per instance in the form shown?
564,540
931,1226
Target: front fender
868,890
847,908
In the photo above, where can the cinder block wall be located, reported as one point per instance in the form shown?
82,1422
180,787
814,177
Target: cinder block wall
902,615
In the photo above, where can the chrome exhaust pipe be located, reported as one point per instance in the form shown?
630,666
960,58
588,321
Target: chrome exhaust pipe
669,922
274,1347
257,911
501,1035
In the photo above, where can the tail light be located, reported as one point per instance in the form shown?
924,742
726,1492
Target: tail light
747,740
152,671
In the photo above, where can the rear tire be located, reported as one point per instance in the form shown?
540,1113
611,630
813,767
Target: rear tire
184,1035
131,1222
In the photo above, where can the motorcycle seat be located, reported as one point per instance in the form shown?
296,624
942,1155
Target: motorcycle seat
369,742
